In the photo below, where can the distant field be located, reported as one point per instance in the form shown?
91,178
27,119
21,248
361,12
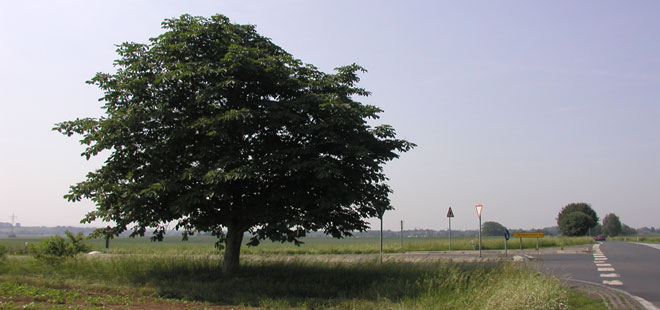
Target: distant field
203,245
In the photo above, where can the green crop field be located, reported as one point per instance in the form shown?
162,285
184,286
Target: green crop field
205,245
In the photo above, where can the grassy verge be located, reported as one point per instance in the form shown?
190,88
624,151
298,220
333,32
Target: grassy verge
641,238
292,284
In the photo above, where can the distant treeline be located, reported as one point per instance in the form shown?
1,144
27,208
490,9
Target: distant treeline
6,230
414,233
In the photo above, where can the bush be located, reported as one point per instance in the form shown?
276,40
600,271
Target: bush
55,249
3,251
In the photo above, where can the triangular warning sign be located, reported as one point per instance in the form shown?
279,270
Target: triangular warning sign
479,210
450,213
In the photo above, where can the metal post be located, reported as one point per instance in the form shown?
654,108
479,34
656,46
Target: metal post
537,243
449,233
505,248
479,236
521,248
401,234
381,239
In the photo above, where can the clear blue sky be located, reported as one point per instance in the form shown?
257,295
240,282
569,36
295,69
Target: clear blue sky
523,106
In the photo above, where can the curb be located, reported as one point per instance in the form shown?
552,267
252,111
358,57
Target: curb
641,301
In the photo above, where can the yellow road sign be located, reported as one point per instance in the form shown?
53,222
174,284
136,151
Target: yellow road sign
528,235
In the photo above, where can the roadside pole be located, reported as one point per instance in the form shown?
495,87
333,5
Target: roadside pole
480,237
381,238
507,235
450,214
401,234
381,211
479,207
449,234
537,243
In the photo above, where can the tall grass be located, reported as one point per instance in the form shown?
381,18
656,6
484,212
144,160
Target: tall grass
304,284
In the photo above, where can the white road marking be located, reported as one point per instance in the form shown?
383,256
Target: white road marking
612,282
608,269
600,261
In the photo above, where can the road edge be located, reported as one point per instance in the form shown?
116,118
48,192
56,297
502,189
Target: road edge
643,302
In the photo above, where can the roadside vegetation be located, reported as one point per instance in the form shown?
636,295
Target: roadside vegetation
198,282
638,238
188,275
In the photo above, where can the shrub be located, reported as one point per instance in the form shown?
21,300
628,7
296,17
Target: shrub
3,251
55,249
77,243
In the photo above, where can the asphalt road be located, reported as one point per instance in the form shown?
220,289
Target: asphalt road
631,267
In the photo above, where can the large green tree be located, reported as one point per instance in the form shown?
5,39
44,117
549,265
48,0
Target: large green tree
576,225
213,127
611,225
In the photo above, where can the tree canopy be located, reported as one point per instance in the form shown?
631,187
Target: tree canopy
492,229
627,230
571,224
575,224
611,225
213,127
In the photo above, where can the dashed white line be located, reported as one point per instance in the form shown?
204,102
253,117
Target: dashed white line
612,282
608,269
600,261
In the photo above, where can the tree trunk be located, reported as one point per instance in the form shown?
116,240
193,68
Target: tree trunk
233,243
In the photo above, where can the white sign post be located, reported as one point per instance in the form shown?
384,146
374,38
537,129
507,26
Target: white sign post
479,207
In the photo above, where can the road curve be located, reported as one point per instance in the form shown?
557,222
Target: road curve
631,267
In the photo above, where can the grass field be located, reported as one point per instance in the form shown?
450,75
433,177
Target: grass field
205,245
183,282
187,275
